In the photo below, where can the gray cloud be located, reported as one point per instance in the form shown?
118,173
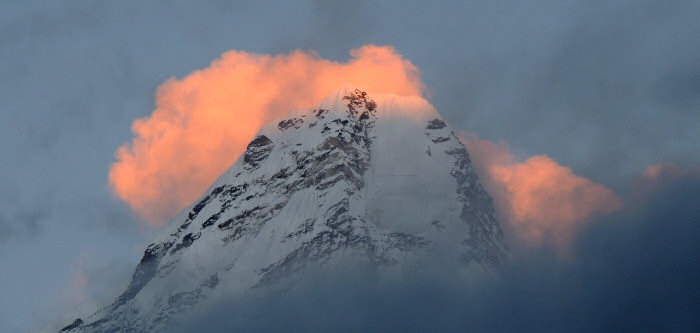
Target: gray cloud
632,271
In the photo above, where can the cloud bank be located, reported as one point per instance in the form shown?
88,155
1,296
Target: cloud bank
204,121
633,270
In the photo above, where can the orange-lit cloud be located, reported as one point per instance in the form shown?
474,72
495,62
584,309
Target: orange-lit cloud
668,171
662,174
539,200
203,122
656,170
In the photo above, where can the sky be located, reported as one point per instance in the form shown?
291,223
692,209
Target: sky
606,88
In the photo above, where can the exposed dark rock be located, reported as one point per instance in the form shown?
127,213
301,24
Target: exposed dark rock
75,324
358,99
305,228
440,139
145,271
237,223
186,242
98,323
436,124
257,150
286,124
198,207
211,220
183,227
234,191
334,213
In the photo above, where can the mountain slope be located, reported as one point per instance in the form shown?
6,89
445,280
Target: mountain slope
377,181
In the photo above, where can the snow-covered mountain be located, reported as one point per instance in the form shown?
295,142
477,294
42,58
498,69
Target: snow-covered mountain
378,181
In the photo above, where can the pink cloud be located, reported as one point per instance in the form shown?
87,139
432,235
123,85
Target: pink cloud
539,200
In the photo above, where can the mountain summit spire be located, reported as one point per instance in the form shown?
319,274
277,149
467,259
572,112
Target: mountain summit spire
378,181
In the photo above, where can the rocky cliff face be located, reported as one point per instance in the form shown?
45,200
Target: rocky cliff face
378,181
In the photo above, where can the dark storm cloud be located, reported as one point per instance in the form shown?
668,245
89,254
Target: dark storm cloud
632,271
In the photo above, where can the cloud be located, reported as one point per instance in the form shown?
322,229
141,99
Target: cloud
633,270
664,171
541,201
204,121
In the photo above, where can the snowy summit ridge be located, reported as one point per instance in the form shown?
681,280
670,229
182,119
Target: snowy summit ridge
374,180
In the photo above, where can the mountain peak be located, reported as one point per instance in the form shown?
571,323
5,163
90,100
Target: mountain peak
373,180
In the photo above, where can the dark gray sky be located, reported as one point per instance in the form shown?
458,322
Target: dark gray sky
606,87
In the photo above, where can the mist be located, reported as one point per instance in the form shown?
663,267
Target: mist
634,270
